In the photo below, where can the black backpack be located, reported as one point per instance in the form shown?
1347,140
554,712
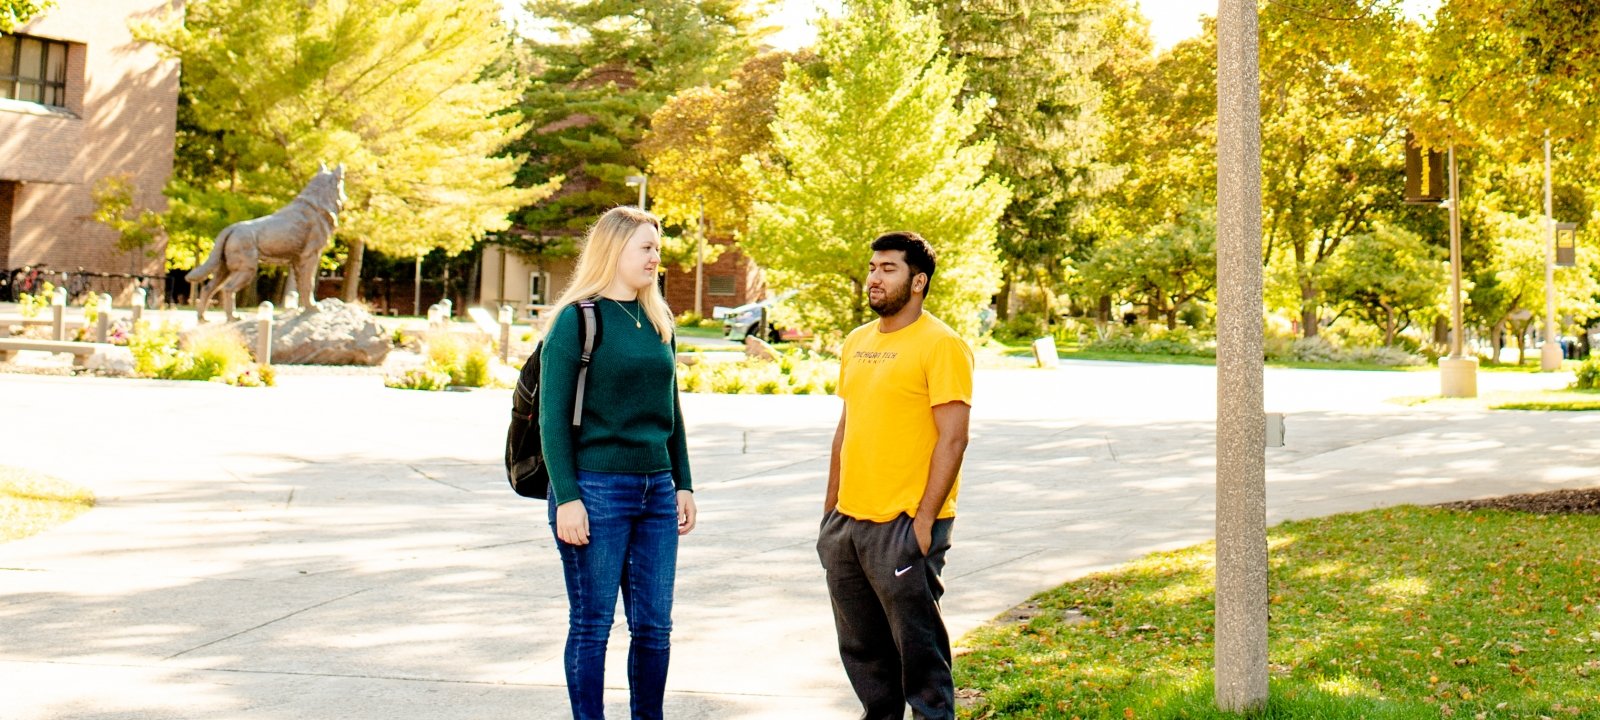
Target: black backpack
525,466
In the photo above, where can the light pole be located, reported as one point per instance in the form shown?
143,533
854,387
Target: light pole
700,259
1241,590
1458,374
1550,351
641,181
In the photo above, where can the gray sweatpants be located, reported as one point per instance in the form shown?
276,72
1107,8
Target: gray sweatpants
885,596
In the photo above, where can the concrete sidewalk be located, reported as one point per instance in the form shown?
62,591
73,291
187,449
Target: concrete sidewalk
334,549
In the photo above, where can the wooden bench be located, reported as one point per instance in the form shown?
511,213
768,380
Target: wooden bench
80,351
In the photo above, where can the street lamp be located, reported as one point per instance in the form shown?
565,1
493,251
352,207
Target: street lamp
641,181
700,259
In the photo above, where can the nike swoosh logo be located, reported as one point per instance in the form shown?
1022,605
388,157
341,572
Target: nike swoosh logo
902,571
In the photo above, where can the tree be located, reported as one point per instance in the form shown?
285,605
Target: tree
16,13
1040,62
1163,143
605,68
1170,267
881,143
1510,69
1514,286
1387,277
1332,142
698,142
411,97
113,199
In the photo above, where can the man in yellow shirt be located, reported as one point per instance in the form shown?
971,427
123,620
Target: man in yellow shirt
906,382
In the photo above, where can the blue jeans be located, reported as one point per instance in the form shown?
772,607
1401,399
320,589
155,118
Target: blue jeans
633,547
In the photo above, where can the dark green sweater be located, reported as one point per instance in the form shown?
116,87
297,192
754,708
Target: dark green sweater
631,419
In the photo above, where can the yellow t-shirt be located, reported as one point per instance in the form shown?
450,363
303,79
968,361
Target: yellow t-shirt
890,383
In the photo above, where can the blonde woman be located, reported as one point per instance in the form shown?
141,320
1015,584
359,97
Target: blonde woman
620,492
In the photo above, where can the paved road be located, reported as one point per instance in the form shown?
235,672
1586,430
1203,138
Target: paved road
334,549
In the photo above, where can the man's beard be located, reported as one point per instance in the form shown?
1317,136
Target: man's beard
893,300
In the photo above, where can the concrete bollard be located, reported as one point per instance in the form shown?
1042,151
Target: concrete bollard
264,333
58,315
139,299
506,316
102,326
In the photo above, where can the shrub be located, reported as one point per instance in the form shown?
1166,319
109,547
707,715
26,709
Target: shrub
32,304
207,355
1021,326
464,362
1320,350
153,348
797,372
212,355
1589,374
1157,341
418,378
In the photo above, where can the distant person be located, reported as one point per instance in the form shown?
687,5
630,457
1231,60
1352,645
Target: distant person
620,491
906,382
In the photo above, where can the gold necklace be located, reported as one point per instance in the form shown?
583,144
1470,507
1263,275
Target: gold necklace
631,316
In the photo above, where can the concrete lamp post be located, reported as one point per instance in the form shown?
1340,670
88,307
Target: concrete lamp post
1550,350
507,315
1458,374
642,181
58,315
264,333
102,326
139,298
1241,592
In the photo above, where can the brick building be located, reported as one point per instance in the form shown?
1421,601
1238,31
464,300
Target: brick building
81,100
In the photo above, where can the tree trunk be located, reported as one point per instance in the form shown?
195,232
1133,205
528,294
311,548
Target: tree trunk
1522,345
1172,318
1103,310
352,271
1497,339
1308,309
1390,327
1003,308
470,291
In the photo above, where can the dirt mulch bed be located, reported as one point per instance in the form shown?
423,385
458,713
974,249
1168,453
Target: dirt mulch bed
1584,501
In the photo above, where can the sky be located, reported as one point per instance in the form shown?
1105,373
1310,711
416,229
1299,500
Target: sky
1171,21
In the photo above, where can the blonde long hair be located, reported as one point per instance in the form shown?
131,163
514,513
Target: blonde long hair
597,267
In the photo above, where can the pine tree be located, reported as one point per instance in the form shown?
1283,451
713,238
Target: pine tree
1040,60
605,68
883,142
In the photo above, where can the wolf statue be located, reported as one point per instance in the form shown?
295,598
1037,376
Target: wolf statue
293,236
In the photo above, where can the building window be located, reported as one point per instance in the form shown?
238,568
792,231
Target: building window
722,285
33,70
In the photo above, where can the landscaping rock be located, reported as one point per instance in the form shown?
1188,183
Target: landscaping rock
116,361
332,334
759,349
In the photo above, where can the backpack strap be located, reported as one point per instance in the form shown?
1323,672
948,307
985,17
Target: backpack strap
589,330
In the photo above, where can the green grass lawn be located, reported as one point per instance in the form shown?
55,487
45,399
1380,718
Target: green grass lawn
31,503
696,331
1556,400
1075,354
1388,614
1072,352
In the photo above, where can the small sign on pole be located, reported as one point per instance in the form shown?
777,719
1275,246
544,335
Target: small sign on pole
1566,244
1424,174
